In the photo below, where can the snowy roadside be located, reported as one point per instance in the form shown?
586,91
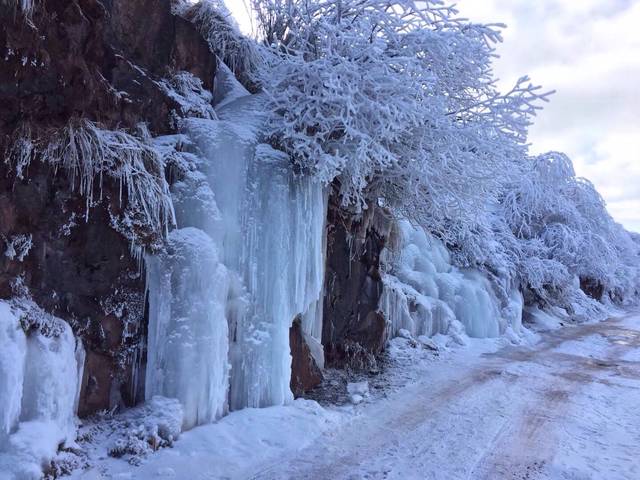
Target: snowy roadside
443,413
247,441
561,409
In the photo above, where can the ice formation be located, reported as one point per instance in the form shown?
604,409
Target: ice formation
40,376
426,295
188,334
250,255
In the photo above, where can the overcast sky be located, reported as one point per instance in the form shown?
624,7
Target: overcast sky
589,52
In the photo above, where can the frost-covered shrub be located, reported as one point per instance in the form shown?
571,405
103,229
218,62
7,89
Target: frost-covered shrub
188,92
90,155
564,231
18,246
218,27
137,432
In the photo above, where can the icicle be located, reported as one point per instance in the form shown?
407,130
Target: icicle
424,294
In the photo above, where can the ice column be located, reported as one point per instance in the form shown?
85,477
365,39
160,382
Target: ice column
187,356
271,232
248,259
39,385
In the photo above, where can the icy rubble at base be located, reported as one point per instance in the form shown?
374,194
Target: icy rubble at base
39,386
426,295
256,263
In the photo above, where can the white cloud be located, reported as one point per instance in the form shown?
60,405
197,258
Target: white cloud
588,52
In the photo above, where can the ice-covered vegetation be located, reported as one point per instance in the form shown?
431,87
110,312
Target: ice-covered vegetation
395,102
219,28
90,155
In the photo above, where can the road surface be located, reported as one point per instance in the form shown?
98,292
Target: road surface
567,408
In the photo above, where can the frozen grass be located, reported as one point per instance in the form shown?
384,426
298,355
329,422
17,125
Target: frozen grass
90,155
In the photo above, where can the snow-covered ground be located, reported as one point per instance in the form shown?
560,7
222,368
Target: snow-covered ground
564,408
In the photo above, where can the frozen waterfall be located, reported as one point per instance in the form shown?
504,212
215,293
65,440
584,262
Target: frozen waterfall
188,334
425,295
248,259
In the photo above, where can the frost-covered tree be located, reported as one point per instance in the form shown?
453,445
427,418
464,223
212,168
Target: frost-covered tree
565,232
395,100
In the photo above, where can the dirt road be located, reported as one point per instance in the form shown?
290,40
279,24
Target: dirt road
568,408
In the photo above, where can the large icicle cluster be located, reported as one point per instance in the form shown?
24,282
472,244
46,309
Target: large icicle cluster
187,355
239,205
40,374
426,295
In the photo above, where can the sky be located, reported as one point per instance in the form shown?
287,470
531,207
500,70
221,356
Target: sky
588,51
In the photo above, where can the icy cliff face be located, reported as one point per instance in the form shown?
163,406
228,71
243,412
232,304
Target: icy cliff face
39,385
258,263
425,295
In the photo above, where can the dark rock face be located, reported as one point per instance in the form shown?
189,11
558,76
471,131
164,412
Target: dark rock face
592,288
95,59
99,60
305,373
354,331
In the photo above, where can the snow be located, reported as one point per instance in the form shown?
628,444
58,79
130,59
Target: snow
491,410
234,447
226,87
39,387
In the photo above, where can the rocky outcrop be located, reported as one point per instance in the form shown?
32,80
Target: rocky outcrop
89,58
354,330
305,373
101,60
592,288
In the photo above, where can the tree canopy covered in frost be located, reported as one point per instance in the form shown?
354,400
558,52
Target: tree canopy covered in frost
564,230
395,102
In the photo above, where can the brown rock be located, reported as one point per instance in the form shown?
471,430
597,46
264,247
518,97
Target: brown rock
305,373
98,60
354,331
